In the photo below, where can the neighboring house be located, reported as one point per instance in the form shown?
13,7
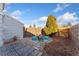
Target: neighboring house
9,27
75,34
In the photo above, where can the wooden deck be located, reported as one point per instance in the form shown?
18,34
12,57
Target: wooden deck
19,48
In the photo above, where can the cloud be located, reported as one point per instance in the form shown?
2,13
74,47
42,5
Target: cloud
67,17
60,7
16,14
35,21
27,25
41,19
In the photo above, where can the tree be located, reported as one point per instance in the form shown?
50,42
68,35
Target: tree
51,25
34,25
30,26
69,24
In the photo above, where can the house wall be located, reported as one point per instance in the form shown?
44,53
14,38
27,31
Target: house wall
11,28
75,34
1,34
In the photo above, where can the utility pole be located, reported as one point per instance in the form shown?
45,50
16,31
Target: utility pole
1,23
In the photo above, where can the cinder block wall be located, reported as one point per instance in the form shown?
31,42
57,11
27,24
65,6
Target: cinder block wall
74,31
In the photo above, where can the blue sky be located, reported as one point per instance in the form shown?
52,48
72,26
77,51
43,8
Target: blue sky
37,13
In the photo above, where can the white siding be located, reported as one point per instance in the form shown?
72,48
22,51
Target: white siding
1,34
12,28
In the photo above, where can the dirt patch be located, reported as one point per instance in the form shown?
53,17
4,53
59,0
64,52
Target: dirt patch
61,47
